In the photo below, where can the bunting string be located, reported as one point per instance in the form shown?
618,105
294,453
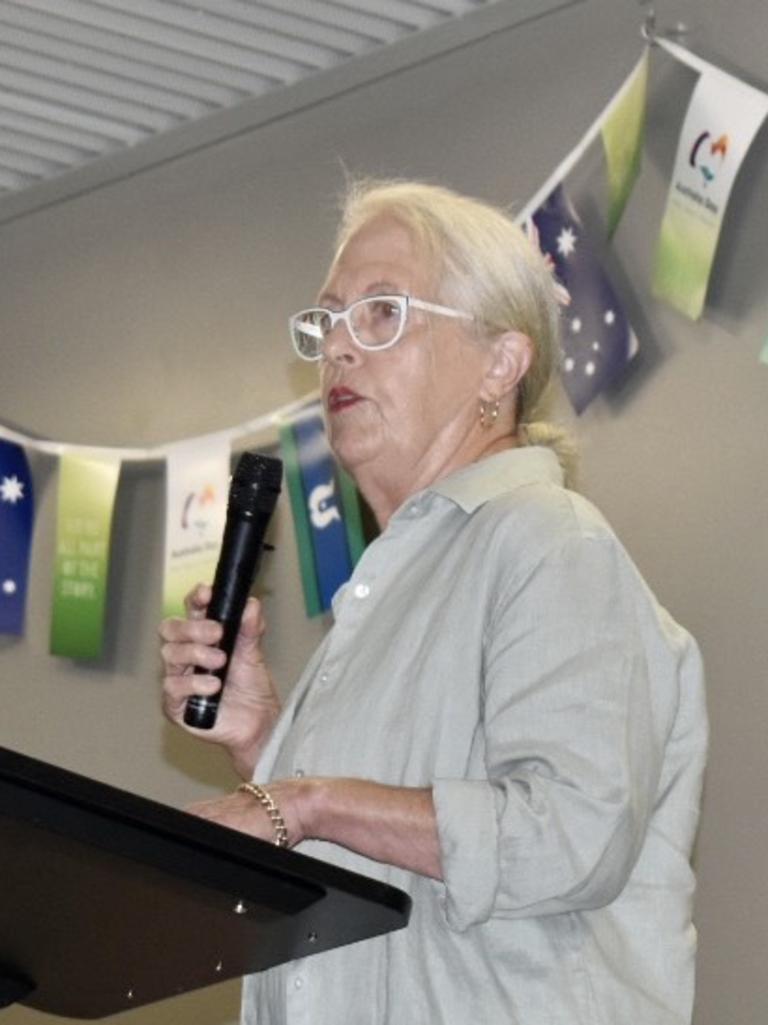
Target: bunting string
271,421
256,426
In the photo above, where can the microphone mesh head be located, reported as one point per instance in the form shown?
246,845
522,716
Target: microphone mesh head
255,483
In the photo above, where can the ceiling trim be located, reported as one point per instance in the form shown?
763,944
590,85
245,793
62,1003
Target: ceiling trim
259,111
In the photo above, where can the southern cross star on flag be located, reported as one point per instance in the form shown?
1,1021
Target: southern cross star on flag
598,342
16,515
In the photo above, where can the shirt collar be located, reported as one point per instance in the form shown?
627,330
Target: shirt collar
474,485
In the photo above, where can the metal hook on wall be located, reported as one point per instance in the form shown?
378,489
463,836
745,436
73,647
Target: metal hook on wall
650,30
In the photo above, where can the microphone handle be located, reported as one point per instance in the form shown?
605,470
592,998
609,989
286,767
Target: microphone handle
238,564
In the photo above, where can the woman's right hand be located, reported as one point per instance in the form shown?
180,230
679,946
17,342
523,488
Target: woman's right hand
249,703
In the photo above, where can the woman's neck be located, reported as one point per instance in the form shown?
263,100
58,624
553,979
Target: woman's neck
386,493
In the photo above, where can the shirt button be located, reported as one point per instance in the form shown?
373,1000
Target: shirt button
324,677
299,773
298,983
362,590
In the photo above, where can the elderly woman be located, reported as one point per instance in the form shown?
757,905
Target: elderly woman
502,720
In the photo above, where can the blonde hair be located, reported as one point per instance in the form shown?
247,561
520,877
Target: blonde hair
486,266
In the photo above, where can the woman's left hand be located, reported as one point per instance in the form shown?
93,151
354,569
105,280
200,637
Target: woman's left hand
244,812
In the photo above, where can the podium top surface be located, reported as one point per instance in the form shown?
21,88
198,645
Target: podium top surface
111,901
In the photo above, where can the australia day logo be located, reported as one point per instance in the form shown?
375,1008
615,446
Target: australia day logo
197,508
707,156
706,160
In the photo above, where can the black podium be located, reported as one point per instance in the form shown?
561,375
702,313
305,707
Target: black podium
110,901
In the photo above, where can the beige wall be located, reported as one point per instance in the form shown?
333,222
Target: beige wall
154,309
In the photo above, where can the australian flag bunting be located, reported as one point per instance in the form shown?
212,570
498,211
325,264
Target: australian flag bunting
16,519
597,340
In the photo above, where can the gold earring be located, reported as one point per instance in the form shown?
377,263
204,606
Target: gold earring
489,413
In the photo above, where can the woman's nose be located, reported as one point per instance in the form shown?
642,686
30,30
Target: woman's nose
338,346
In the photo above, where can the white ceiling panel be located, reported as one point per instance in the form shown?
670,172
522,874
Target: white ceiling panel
82,81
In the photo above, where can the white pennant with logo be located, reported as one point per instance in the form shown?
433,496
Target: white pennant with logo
723,118
197,484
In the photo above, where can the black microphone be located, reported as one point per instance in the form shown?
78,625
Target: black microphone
253,495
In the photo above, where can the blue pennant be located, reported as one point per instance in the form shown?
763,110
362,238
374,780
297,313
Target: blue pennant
16,519
323,509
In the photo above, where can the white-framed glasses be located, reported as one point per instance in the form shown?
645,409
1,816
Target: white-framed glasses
373,322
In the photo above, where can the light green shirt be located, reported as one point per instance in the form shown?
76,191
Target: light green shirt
497,644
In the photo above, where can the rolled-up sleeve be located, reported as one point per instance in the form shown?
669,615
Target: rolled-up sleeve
579,695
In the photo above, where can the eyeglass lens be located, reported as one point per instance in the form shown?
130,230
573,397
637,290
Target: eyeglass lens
373,322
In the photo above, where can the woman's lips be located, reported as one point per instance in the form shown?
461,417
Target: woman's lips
342,398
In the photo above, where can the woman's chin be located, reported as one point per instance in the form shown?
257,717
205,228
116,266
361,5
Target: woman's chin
352,449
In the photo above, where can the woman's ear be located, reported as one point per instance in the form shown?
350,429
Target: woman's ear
511,355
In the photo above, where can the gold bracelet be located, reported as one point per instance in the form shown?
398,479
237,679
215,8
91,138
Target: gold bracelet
265,799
